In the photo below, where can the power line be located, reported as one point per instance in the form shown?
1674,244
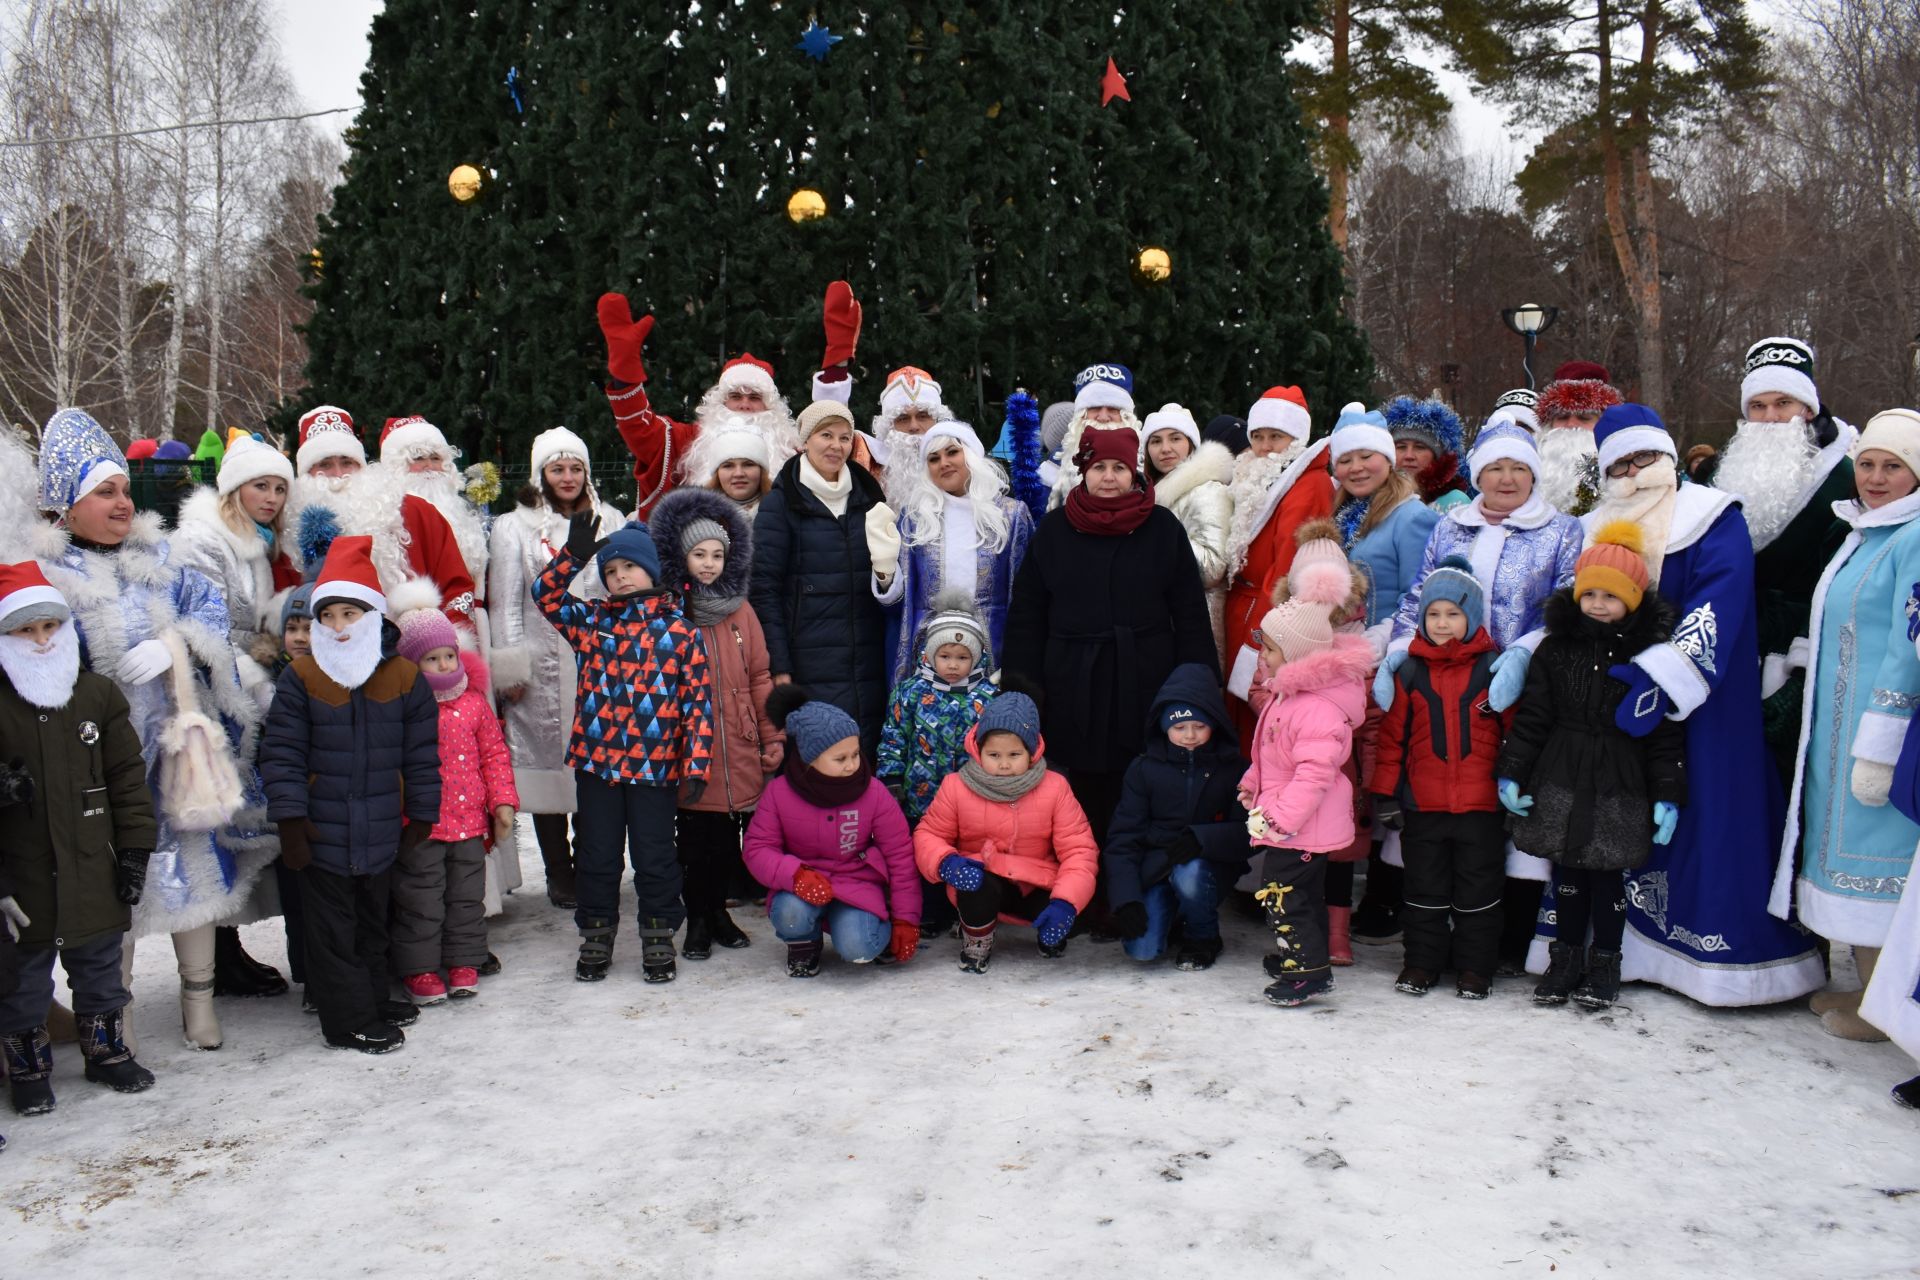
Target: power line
169,128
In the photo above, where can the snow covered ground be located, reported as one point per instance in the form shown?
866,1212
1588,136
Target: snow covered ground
1051,1119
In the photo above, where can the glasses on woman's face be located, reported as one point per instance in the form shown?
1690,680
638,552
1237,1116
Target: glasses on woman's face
1634,462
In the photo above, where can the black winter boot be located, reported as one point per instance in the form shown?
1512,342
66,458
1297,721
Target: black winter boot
396,1013
1907,1094
803,959
1196,954
1602,985
656,950
1565,965
375,1037
109,1061
698,944
596,950
726,933
235,973
29,1059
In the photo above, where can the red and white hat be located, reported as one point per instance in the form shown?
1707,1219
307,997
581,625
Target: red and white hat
1281,409
348,574
327,432
747,372
908,387
403,435
26,596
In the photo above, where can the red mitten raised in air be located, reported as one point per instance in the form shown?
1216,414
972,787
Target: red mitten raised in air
840,315
625,336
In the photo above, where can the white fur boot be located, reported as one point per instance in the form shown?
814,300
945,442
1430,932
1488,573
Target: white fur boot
194,951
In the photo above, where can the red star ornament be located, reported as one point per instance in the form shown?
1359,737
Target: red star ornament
1113,85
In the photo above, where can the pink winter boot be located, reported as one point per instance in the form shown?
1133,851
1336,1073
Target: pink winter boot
1339,941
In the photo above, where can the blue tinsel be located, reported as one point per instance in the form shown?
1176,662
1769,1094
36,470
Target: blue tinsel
318,528
1348,517
1433,419
1023,424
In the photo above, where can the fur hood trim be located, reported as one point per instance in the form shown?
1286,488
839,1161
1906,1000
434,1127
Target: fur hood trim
680,508
1211,461
202,510
1642,629
1350,658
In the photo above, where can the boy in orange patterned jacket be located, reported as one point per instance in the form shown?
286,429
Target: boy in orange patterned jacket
641,726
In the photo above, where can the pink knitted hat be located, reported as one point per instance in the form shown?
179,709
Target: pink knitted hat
424,630
1299,628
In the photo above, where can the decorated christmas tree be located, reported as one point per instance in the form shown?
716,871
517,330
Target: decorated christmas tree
1006,206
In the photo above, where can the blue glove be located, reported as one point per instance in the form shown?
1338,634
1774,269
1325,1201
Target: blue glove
1665,818
1509,677
1512,800
964,874
1053,922
1383,678
1645,705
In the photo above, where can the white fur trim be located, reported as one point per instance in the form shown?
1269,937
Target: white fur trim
1534,513
1170,417
1488,546
414,593
348,589
248,460
1276,493
1099,394
904,391
1211,461
1505,447
1695,508
557,442
414,435
322,445
840,389
1271,413
1783,378
1879,737
1721,986
38,593
1631,440
1357,437
1677,677
512,668
545,790
750,377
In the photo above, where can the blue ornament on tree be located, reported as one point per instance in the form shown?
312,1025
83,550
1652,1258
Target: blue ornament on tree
816,40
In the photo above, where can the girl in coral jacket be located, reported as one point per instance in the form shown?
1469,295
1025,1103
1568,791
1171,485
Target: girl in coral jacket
831,844
1008,838
1299,799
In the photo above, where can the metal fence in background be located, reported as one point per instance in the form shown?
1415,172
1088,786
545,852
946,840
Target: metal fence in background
163,486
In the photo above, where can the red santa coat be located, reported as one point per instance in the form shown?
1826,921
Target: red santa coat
433,553
657,442
1269,556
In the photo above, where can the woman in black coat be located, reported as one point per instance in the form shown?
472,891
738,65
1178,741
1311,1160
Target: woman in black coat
812,584
1107,603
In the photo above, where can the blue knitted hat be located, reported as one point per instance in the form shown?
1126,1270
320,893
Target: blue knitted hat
1012,713
1452,579
1182,713
816,725
298,604
631,542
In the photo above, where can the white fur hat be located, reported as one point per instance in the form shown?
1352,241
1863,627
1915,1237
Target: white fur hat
557,442
1171,417
247,460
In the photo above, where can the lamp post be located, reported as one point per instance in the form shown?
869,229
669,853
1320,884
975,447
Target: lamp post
1529,320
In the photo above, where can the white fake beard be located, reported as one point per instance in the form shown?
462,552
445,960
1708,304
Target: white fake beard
775,424
446,491
348,657
43,674
1770,465
1253,476
1564,452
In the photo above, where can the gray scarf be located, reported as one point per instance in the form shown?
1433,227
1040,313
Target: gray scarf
1001,790
704,610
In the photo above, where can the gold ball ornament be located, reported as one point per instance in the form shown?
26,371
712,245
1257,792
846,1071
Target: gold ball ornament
1154,264
315,261
806,205
463,184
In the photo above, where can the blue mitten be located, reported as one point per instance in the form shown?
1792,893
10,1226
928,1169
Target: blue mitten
1053,922
964,874
1512,800
1509,677
1383,678
1645,705
1666,816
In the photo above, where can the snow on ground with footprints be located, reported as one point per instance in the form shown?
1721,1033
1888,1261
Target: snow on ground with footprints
1050,1118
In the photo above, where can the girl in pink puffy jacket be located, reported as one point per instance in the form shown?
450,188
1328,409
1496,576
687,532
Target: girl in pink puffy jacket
1299,799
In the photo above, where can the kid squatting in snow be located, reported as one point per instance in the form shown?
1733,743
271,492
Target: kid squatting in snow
1584,793
1008,838
641,728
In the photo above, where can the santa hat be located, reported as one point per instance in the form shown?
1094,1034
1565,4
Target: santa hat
1498,440
1784,365
735,437
1613,564
1520,405
909,388
555,443
1627,429
1358,430
27,597
1431,422
1171,417
348,574
248,460
953,429
402,436
77,456
1578,386
747,372
1281,409
1107,386
327,432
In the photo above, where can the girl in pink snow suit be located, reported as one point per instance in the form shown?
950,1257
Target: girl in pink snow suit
830,842
1299,798
439,920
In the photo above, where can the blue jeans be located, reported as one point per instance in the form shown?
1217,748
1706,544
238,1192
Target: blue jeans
859,936
1192,896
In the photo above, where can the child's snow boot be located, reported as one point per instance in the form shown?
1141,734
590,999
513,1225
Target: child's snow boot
1196,954
1469,985
29,1059
656,950
235,973
425,988
596,950
376,1037
488,967
698,944
976,950
1413,982
396,1013
1339,937
803,959
1566,964
1602,984
463,982
193,950
726,933
1907,1093
1291,991
109,1061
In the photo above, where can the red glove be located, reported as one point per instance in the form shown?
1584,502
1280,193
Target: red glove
625,336
812,888
840,315
906,941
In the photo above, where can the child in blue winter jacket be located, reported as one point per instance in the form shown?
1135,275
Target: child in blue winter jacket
1178,835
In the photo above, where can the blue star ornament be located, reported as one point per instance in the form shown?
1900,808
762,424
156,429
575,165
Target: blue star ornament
816,40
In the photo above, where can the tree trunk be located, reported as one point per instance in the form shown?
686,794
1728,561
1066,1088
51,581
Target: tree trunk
1634,232
1339,124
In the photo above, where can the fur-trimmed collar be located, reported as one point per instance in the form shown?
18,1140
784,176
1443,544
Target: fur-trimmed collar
1211,461
1645,627
202,509
1856,514
1350,659
680,508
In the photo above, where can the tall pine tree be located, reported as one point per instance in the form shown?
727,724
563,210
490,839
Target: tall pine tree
985,205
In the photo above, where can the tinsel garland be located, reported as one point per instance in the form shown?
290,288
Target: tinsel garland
1348,517
318,528
1023,422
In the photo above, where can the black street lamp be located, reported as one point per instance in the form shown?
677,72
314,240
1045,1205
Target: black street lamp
1529,320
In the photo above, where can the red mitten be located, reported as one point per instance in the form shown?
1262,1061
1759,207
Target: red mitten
841,317
906,941
812,888
625,336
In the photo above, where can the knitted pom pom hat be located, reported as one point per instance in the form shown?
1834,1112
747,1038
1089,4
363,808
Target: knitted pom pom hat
1452,580
1614,563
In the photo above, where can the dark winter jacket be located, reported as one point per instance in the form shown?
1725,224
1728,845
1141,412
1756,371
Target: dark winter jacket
1099,622
643,704
812,589
90,799
353,762
1170,792
1439,741
1593,787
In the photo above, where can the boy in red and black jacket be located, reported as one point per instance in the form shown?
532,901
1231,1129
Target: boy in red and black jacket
1434,781
641,726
